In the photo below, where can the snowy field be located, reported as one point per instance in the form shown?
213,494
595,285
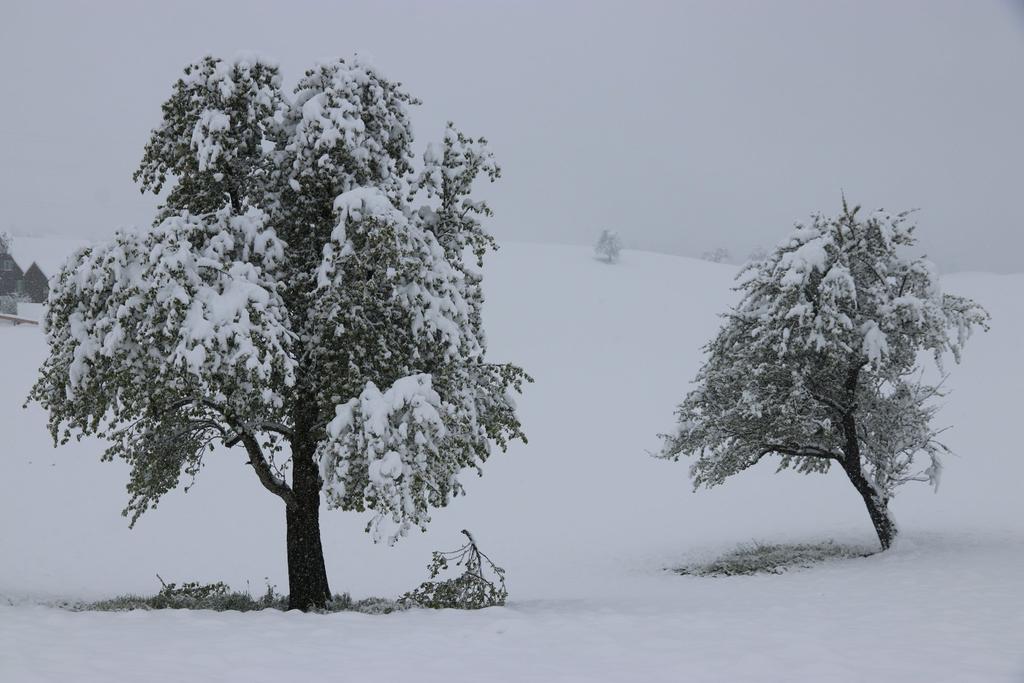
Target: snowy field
583,520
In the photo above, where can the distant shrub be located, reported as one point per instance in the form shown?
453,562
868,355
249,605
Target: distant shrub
766,558
719,255
608,246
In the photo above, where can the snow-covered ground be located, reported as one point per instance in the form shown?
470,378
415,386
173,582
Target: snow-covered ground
583,520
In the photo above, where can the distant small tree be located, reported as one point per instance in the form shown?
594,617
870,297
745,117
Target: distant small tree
719,255
608,246
9,303
818,363
304,295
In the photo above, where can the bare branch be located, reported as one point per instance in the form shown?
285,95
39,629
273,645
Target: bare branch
243,434
843,410
797,451
270,481
277,428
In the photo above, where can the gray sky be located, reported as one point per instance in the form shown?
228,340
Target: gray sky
682,125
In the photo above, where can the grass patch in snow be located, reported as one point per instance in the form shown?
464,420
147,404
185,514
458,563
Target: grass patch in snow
774,558
220,598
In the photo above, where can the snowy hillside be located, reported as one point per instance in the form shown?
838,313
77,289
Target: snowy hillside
582,518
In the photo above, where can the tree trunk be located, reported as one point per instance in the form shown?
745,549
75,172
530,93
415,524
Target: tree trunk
307,573
878,509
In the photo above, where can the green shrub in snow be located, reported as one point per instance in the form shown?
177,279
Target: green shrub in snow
220,598
772,558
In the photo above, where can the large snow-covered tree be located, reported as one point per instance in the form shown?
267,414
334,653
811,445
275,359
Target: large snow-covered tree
820,363
309,292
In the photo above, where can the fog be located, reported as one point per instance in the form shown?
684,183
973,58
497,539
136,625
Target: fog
683,126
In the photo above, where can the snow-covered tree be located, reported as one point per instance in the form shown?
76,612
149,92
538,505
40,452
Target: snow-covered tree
5,242
818,364
308,292
608,246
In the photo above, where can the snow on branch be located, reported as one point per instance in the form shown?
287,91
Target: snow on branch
382,452
142,326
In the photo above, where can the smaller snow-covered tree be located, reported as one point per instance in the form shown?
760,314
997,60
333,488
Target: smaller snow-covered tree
608,246
5,242
818,363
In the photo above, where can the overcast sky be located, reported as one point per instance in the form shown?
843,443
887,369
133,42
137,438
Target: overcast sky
682,125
